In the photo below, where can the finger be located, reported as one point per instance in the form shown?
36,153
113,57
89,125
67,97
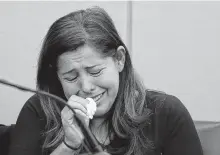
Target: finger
82,116
72,128
78,103
68,119
68,115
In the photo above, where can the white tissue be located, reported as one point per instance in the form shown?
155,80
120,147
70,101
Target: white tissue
91,108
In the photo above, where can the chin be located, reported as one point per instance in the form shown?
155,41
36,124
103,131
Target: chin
103,109
101,113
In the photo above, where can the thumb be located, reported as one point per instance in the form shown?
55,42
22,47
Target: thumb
82,116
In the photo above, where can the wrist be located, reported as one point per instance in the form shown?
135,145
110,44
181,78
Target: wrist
66,149
74,149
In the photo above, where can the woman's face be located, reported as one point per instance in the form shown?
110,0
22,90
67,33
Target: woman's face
85,73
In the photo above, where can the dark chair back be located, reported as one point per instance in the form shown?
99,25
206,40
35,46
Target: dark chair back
209,134
5,134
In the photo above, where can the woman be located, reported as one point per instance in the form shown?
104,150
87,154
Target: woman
83,56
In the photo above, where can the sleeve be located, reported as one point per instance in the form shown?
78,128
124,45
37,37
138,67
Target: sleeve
181,137
26,136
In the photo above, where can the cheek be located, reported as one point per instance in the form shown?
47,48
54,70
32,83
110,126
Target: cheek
68,89
110,81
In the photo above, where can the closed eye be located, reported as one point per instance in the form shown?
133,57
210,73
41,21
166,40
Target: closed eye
96,73
70,79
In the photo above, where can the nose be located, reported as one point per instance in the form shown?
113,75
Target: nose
86,84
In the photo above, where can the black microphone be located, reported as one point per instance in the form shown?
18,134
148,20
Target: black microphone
96,148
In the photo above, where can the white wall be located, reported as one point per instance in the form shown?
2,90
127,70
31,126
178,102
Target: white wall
176,49
22,28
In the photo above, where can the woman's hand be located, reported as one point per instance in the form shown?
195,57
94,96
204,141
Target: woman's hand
73,134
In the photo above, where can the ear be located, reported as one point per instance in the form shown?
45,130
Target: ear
119,58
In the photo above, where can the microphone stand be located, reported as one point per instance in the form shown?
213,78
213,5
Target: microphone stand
96,148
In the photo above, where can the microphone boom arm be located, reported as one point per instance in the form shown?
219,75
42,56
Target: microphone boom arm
86,131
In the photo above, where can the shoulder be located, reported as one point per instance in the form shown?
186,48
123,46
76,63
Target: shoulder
168,111
33,105
165,104
172,127
169,115
32,114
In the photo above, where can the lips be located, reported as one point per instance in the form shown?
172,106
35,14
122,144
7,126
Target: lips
97,97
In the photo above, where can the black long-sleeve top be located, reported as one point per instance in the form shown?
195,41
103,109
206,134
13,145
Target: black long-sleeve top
171,129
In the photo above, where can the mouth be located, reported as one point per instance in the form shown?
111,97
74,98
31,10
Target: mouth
98,97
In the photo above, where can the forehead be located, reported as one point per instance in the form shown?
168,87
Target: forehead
83,56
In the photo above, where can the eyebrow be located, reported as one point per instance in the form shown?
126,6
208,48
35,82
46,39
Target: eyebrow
89,67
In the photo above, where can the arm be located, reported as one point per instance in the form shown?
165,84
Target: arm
26,135
182,137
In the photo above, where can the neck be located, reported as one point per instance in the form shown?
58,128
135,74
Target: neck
97,122
100,130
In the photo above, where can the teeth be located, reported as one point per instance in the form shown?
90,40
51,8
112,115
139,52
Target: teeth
98,97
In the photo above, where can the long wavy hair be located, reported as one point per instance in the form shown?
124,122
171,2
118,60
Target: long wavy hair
92,26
